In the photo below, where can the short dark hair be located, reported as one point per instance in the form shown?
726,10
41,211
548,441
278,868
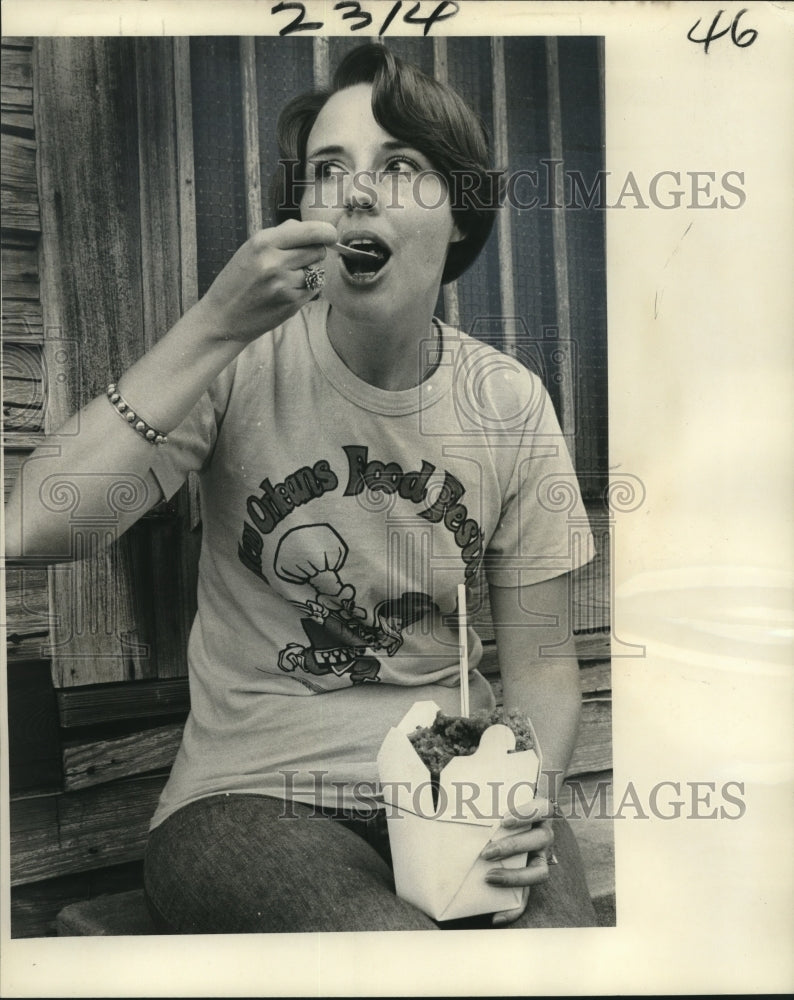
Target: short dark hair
418,110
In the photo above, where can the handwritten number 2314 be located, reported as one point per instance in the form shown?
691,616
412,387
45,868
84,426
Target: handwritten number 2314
354,12
739,38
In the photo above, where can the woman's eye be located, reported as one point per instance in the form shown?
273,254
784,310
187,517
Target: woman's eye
402,165
328,169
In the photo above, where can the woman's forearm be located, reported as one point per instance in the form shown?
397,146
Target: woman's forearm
95,448
539,669
548,692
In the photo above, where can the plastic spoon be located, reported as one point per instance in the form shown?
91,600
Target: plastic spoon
354,251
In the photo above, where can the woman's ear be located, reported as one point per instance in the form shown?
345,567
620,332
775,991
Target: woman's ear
457,233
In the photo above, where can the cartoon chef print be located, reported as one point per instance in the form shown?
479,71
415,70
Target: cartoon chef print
339,639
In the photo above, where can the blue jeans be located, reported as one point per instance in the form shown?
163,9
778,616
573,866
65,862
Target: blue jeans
231,864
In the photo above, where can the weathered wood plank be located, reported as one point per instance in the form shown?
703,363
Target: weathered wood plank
100,761
97,634
16,67
22,321
27,613
53,835
88,706
27,602
11,466
594,748
16,99
22,440
20,239
23,387
186,173
20,273
595,646
19,122
18,163
20,209
504,229
86,87
158,169
34,907
251,145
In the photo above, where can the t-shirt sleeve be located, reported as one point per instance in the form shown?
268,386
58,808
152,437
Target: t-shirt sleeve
190,445
543,529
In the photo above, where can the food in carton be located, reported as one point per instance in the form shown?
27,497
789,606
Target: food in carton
436,841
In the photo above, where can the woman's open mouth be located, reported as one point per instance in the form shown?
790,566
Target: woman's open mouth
361,268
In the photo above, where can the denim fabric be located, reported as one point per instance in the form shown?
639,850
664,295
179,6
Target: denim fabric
254,864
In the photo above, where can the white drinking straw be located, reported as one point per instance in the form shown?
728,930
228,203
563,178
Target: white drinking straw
464,651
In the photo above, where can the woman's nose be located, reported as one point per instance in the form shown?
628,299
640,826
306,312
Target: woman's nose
360,193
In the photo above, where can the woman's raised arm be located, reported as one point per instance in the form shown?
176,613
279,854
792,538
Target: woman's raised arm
261,286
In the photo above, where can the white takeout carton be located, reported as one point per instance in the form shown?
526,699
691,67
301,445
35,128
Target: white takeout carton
436,850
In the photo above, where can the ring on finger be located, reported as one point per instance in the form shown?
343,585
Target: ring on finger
314,278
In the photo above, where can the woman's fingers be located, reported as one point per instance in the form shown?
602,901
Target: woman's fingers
505,917
536,810
536,870
296,260
537,838
292,234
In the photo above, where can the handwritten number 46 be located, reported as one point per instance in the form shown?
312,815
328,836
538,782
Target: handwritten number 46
354,12
740,38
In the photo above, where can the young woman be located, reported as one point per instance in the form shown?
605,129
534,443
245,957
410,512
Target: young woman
358,460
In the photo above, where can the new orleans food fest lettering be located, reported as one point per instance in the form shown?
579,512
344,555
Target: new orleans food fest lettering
268,508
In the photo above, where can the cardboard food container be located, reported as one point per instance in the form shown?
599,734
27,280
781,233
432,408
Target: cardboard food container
436,849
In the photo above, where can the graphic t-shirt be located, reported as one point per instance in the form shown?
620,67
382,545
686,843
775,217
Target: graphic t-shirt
338,520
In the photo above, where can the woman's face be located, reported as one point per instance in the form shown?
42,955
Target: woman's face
381,195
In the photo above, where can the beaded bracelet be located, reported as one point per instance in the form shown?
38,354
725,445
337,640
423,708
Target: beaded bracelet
137,423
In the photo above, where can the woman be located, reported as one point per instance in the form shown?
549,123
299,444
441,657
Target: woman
358,460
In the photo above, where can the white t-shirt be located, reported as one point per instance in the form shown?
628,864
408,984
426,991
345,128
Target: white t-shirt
338,520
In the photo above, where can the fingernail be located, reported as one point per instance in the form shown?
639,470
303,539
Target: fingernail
510,821
490,853
499,920
495,878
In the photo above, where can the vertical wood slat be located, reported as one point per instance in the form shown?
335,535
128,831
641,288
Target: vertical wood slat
186,173
163,561
504,233
321,59
157,167
91,292
251,161
441,72
567,399
186,183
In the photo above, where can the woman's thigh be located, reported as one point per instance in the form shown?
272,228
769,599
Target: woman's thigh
564,900
249,863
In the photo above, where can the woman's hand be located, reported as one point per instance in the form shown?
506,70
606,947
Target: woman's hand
532,833
264,282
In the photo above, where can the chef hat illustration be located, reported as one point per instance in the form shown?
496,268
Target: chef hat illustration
310,549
